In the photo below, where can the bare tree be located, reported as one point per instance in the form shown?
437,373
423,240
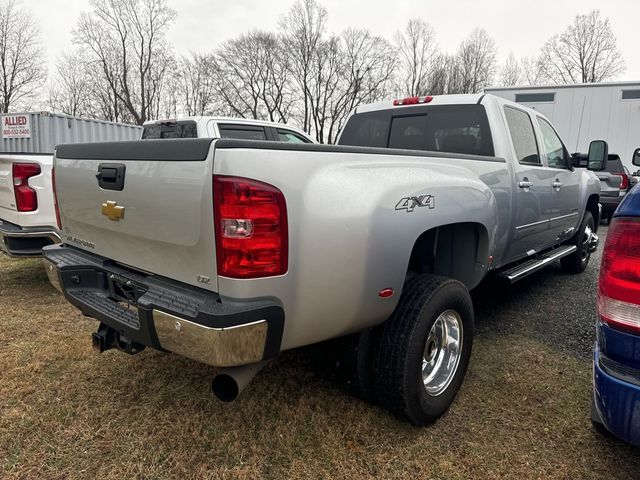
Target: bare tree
22,60
303,28
417,51
253,77
368,66
446,75
531,73
477,57
511,72
127,39
585,52
71,91
194,83
353,68
80,88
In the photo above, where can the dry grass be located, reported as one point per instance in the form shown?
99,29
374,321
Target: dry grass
66,412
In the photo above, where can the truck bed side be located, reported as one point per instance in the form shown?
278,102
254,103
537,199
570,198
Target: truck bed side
349,236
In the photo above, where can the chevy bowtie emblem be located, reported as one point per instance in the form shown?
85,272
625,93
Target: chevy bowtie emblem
112,211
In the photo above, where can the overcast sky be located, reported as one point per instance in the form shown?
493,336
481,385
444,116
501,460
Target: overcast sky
518,26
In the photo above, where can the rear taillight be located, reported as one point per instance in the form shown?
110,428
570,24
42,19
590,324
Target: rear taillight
26,197
412,100
619,286
624,181
251,228
55,198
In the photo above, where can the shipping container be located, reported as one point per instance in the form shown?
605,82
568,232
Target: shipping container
585,112
40,132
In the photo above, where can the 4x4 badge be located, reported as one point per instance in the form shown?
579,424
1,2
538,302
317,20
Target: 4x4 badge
410,203
112,211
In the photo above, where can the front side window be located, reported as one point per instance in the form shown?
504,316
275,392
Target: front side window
553,146
522,136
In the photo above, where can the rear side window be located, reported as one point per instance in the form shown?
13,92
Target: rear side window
243,132
447,128
291,137
369,129
522,136
170,130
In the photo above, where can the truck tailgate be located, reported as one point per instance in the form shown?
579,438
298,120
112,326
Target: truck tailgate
7,198
609,184
160,221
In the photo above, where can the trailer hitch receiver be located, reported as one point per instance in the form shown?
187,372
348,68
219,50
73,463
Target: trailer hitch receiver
107,338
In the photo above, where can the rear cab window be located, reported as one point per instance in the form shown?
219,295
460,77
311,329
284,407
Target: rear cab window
462,129
170,130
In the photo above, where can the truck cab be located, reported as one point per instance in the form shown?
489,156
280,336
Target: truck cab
223,127
551,195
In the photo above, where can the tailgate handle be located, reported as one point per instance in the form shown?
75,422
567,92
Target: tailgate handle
111,176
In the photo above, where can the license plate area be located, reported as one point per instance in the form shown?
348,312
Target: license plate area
125,292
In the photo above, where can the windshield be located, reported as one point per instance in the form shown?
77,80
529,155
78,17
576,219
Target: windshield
443,128
170,130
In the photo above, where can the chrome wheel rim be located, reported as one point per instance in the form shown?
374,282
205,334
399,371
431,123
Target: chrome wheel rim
584,253
442,352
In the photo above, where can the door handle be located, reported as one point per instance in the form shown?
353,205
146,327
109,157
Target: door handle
557,185
525,184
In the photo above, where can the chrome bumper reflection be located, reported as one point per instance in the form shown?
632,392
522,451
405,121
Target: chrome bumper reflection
52,274
220,347
593,242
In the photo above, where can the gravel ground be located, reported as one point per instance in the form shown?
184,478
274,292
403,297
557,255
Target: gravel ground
550,306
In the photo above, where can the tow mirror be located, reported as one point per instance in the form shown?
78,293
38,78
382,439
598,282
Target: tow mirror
598,155
636,157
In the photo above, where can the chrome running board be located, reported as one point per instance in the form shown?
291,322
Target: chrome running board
527,268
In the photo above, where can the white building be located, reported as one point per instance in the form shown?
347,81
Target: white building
585,112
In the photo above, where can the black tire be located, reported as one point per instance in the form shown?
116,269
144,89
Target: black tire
577,262
398,374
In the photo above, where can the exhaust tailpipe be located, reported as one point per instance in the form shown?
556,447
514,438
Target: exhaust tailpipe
228,384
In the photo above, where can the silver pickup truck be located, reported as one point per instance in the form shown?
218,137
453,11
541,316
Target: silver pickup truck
231,251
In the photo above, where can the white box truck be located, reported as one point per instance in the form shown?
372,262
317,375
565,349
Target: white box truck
583,112
27,143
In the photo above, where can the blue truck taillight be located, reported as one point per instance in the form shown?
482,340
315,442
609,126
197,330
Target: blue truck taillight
619,283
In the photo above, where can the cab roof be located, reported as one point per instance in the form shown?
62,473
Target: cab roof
459,99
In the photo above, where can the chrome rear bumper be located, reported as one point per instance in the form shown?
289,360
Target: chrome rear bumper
237,345
148,310
18,241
